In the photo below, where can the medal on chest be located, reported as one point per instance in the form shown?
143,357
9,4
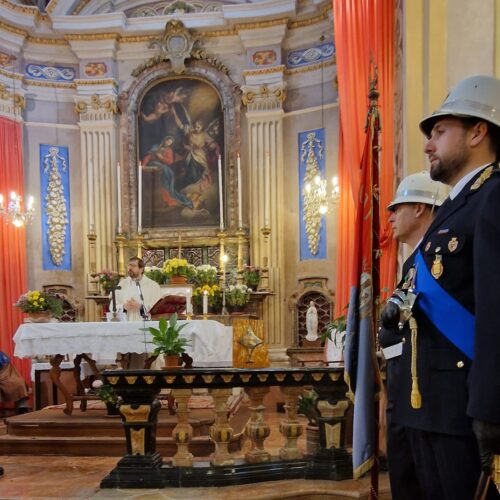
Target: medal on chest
437,266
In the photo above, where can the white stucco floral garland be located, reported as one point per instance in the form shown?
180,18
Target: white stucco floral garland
55,205
311,150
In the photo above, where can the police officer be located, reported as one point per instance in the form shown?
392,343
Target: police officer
417,198
450,363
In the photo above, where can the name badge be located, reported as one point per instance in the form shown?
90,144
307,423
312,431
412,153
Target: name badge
393,351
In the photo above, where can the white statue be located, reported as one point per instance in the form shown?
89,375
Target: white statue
312,322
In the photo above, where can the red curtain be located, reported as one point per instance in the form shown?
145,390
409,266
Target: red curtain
13,280
364,30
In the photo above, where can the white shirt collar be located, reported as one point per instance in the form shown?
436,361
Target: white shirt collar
455,191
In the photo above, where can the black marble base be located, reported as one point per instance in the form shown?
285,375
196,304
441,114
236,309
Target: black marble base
333,466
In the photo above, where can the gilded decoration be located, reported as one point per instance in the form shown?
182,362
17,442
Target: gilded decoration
17,100
135,415
311,149
96,105
131,380
137,441
174,7
113,380
264,98
149,379
55,205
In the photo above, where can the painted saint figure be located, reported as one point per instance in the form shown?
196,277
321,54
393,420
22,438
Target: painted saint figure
312,322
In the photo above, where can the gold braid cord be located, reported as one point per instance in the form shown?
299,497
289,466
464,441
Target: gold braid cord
416,397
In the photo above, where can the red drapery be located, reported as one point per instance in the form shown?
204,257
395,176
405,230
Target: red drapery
13,280
364,30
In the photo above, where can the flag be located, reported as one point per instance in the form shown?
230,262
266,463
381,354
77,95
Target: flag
361,369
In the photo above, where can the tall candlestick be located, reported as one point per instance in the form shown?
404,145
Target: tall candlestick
267,190
240,209
205,303
119,197
221,201
139,199
90,190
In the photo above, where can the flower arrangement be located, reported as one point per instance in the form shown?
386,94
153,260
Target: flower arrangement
251,275
36,301
237,295
206,275
179,267
214,293
107,279
156,274
105,392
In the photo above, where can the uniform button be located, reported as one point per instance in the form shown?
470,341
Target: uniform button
460,364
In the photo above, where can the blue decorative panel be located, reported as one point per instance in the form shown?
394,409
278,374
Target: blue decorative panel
312,223
310,55
52,73
55,207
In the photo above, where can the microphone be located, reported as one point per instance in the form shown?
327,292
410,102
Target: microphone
143,311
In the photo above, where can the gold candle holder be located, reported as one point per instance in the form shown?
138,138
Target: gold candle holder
140,243
264,276
222,235
92,283
240,234
120,245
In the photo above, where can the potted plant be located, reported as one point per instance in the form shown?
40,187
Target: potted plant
108,280
179,270
168,341
107,394
251,276
206,275
335,333
40,306
237,297
156,274
307,407
214,297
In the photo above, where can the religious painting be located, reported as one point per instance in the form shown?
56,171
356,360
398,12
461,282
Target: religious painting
181,135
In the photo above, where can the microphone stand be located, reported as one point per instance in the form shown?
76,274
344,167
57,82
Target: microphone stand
144,313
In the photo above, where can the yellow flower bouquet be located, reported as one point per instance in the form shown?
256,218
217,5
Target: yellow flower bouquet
36,301
179,267
214,293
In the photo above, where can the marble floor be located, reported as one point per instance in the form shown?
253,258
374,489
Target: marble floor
60,477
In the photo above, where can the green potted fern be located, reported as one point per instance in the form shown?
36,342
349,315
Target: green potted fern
167,340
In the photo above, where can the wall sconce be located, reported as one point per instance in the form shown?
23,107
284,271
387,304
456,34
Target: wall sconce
14,213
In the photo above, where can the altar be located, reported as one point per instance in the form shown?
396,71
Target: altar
211,344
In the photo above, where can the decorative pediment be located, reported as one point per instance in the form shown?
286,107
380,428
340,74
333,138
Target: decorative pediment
177,45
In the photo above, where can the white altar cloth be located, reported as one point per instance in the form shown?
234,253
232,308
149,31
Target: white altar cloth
211,341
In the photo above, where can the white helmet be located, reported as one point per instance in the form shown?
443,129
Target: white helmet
475,96
419,188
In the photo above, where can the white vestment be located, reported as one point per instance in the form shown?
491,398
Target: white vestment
151,292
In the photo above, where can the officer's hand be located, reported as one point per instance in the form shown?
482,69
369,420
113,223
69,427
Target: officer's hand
390,315
488,439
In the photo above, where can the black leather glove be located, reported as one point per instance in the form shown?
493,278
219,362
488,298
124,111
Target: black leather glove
390,315
488,440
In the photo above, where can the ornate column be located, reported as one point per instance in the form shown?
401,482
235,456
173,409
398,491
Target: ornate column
291,428
221,432
98,164
263,96
257,428
183,432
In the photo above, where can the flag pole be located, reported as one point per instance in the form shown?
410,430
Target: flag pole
373,128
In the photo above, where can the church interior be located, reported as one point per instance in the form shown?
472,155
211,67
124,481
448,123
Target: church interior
219,142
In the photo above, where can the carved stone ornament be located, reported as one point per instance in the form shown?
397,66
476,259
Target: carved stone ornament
176,44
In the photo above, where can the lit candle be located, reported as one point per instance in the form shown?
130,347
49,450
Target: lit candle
31,202
119,197
267,190
205,303
189,304
139,199
1,201
221,202
90,190
240,216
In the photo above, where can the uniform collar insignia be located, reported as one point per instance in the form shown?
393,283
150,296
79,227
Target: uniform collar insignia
485,175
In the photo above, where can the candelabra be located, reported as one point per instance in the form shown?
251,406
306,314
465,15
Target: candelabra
264,277
14,212
120,244
240,233
317,196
